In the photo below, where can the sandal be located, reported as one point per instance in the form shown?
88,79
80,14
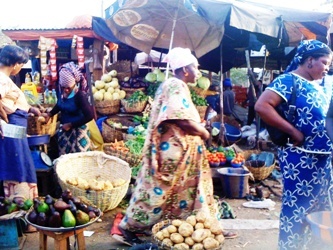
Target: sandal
129,238
229,235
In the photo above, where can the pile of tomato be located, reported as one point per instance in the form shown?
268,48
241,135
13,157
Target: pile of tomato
219,156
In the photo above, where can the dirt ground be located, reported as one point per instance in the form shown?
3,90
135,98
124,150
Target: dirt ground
248,239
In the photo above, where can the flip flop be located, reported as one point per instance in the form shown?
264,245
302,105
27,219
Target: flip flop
121,239
229,235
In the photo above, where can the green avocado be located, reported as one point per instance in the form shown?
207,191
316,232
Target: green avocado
68,219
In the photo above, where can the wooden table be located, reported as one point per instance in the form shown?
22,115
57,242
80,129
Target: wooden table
61,239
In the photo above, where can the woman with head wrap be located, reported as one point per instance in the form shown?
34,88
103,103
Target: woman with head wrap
305,162
17,169
175,178
75,109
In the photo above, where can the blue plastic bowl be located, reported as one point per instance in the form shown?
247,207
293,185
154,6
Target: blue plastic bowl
232,134
238,165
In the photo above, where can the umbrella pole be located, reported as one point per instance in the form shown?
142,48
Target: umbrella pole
171,39
222,128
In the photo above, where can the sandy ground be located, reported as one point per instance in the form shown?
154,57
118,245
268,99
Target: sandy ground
249,239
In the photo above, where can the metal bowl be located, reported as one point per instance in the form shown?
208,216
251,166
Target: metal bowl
61,229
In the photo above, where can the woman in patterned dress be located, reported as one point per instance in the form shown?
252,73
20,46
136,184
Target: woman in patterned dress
76,112
175,178
306,162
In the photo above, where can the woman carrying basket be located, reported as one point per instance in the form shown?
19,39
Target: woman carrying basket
175,178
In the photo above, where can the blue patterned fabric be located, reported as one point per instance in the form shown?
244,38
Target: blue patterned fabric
306,176
305,47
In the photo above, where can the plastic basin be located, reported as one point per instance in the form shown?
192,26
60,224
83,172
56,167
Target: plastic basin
235,182
321,224
232,134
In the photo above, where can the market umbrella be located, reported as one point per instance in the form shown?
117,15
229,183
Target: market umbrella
147,24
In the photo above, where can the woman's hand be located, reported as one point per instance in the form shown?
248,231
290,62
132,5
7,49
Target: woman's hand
35,111
66,126
3,114
193,128
297,138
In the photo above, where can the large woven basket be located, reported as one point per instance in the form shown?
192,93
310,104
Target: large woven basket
111,133
131,159
90,165
258,169
133,107
36,127
107,107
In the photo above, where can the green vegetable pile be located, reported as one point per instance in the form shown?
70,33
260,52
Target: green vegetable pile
135,145
152,88
137,96
198,100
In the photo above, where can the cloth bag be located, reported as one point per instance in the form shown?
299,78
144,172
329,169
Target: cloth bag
277,136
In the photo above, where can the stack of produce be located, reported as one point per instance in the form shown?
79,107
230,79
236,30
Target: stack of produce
107,94
221,155
108,88
135,103
8,206
198,231
67,211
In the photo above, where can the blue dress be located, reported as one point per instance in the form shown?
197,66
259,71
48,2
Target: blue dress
16,163
306,170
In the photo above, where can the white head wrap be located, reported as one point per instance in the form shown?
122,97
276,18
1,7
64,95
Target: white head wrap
180,57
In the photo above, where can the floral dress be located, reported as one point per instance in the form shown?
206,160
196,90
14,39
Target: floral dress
175,178
306,170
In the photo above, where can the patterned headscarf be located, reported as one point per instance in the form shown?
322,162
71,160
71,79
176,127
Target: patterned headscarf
70,74
306,47
180,57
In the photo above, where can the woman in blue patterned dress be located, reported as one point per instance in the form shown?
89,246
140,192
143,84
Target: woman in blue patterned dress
306,162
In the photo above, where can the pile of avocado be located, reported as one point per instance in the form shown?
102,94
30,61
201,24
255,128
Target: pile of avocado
67,211
8,206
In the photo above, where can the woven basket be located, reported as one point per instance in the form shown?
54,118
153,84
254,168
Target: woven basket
203,93
159,226
111,133
133,107
130,91
122,75
92,165
258,169
38,128
107,107
202,111
131,159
